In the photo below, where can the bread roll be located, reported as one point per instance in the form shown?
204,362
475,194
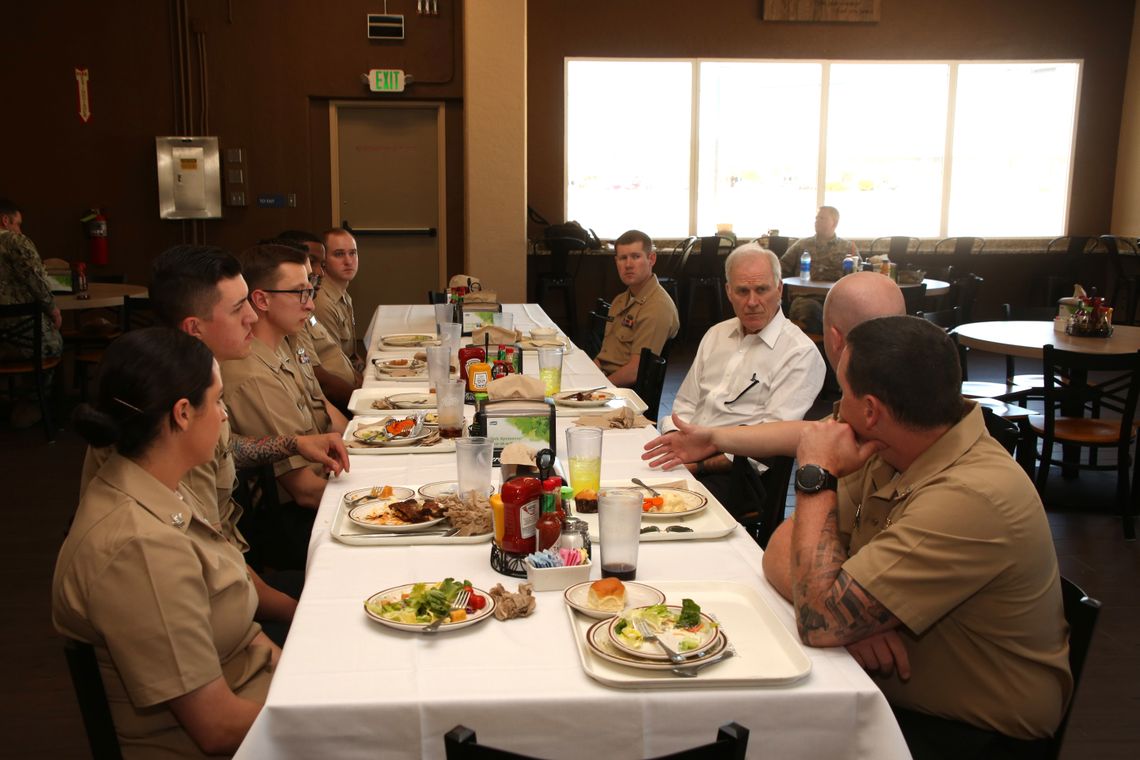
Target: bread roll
607,595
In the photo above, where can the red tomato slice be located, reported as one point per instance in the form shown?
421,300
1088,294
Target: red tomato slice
476,602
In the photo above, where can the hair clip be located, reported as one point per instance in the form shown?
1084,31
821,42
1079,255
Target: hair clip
132,407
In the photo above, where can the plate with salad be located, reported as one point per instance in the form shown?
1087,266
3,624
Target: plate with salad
413,606
683,627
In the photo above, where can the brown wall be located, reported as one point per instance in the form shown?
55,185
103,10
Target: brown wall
272,67
1097,32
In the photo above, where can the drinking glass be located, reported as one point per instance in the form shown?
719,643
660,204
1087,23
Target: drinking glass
504,319
438,363
619,530
449,406
550,369
450,333
444,314
473,461
584,450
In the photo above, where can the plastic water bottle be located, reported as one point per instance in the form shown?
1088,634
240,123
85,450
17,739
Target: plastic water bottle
805,267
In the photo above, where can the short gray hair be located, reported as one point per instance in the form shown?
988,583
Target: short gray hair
751,250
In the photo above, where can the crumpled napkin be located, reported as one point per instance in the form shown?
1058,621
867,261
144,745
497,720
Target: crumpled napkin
464,281
481,296
515,386
494,334
618,419
508,605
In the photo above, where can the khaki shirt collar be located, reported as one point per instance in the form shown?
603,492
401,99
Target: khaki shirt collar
167,506
268,356
335,291
651,286
942,454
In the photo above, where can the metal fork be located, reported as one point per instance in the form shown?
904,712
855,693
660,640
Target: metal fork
648,634
690,671
459,603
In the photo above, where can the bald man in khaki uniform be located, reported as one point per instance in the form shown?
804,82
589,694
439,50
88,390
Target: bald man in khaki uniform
143,567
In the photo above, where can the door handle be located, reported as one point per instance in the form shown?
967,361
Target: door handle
390,231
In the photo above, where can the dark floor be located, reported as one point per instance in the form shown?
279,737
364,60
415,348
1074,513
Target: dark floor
42,720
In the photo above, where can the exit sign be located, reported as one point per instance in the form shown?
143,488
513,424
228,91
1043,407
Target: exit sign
386,80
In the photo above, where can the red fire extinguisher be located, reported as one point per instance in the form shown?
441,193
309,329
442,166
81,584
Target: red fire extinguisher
96,227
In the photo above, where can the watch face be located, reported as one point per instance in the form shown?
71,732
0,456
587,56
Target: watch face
812,478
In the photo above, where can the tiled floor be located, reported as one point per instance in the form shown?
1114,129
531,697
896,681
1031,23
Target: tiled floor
41,719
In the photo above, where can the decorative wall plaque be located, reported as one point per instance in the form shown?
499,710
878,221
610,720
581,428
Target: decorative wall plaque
854,11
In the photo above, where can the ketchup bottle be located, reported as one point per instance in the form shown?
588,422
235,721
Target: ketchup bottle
520,513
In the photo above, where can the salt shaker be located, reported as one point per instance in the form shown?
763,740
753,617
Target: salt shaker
575,535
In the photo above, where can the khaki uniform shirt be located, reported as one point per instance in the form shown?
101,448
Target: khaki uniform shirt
165,600
300,351
333,308
264,397
326,350
646,321
959,549
826,258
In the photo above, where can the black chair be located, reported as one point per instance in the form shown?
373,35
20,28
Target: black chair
960,247
1124,261
1071,427
1081,613
779,244
709,275
947,319
914,298
650,381
1033,380
435,296
731,743
896,247
963,294
599,318
767,490
1002,430
560,278
38,365
1069,252
669,274
92,698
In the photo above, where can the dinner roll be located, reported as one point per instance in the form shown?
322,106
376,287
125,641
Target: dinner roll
607,595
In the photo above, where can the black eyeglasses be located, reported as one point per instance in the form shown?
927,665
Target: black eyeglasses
304,293
751,385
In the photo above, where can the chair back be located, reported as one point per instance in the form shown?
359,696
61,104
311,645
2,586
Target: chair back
436,296
947,319
960,247
778,244
1081,613
650,381
964,293
1057,363
460,743
678,257
30,311
767,490
137,313
560,249
1002,430
914,298
599,318
92,698
896,246
1071,244
709,263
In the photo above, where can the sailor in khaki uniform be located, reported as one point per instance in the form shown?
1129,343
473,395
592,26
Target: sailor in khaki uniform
334,304
644,316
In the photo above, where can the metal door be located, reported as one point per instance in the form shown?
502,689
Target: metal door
388,185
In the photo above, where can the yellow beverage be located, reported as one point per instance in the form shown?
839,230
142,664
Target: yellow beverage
551,380
585,474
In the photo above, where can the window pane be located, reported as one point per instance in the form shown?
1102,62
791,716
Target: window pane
759,146
1013,138
886,139
627,146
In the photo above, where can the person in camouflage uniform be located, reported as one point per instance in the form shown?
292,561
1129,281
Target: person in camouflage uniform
827,253
23,280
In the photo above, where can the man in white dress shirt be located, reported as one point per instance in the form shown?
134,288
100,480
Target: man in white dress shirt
755,367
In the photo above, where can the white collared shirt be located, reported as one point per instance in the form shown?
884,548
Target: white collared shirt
786,365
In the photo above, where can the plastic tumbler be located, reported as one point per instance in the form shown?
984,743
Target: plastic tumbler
473,461
550,369
449,406
444,313
451,333
584,450
438,363
619,530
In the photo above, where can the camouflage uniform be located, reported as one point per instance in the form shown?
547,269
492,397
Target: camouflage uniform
826,266
23,280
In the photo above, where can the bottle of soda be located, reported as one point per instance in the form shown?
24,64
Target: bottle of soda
81,281
805,266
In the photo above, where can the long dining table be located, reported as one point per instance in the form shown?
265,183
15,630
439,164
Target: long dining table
347,687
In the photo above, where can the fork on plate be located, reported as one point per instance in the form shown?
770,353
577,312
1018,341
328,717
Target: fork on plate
648,634
459,603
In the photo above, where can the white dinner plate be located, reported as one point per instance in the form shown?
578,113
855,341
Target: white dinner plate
359,516
444,488
598,398
374,435
693,502
478,616
364,495
636,595
598,641
649,649
409,340
412,400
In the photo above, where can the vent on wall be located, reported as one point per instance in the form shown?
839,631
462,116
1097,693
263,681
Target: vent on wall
384,26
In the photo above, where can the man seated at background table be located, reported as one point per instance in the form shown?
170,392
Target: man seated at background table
644,316
200,291
332,367
921,545
334,304
268,393
755,367
827,253
23,280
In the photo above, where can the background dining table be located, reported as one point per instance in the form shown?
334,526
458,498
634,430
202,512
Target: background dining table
1027,339
347,687
100,295
820,287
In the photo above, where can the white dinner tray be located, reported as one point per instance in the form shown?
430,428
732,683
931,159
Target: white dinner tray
767,654
443,447
714,522
622,397
360,403
347,532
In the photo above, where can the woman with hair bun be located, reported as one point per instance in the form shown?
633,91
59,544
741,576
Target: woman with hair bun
161,595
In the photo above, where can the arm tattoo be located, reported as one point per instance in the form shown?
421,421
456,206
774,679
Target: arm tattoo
251,452
832,609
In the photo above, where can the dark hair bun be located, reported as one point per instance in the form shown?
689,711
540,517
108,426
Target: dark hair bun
97,428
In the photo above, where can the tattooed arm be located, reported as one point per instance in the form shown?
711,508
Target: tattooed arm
252,452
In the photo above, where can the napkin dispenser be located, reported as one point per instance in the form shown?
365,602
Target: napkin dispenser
475,315
530,422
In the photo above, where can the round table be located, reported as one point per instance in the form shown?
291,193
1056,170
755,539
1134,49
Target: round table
102,295
1026,339
820,287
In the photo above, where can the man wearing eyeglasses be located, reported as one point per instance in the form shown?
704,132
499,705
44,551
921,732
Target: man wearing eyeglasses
269,392
755,367
644,316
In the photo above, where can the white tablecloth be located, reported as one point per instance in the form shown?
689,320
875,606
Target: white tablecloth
349,688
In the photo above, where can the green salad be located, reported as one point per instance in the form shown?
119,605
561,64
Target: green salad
686,628
423,603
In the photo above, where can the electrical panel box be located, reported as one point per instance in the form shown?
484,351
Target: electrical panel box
189,178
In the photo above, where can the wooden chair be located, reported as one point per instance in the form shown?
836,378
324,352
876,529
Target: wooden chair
1071,427
92,698
1124,261
731,744
37,366
650,381
767,490
1081,612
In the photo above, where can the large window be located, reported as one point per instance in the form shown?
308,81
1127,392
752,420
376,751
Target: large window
901,148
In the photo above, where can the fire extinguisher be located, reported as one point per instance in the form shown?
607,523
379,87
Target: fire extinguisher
95,224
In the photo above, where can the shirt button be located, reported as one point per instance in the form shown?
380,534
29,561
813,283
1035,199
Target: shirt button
875,522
